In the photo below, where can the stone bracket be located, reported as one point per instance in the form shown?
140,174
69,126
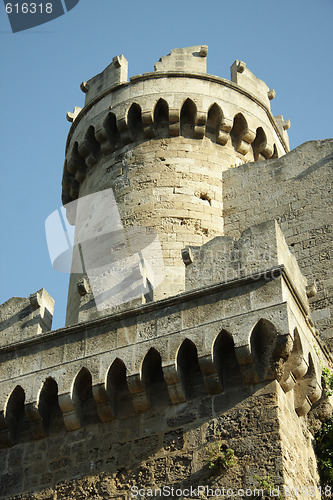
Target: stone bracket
210,375
103,403
139,398
68,410
175,388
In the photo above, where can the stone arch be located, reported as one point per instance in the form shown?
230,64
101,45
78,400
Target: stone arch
275,151
111,130
259,144
161,119
75,189
225,361
307,389
117,389
65,178
15,414
153,379
134,121
75,160
48,406
84,403
70,188
77,171
189,370
262,343
89,148
187,118
239,129
214,120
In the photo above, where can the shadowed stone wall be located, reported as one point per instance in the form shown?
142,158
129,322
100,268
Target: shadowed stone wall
296,190
167,447
224,355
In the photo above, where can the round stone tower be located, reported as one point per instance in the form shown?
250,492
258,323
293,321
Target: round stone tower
157,145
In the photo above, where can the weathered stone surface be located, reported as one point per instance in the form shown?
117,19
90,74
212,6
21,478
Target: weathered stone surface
177,458
21,318
296,191
222,355
164,145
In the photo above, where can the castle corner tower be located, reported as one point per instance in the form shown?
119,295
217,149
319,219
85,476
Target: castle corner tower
159,143
200,298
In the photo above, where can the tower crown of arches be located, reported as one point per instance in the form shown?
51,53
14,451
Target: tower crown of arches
161,142
178,99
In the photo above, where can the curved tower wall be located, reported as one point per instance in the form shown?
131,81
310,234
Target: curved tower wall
161,142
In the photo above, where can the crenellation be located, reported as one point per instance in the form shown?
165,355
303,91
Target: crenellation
192,322
283,126
189,59
72,116
241,75
222,123
114,75
22,318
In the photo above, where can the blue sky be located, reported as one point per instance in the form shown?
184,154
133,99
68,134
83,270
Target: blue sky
287,43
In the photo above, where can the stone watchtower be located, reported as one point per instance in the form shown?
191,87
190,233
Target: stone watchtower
161,142
189,356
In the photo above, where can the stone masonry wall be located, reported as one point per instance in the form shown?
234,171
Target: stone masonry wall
169,447
139,398
161,141
173,185
151,394
297,191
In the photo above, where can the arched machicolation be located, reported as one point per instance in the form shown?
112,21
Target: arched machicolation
140,124
159,384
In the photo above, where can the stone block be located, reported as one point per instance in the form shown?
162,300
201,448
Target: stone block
113,75
23,318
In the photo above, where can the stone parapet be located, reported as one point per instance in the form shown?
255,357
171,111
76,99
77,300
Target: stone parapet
22,318
166,104
238,332
161,142
296,190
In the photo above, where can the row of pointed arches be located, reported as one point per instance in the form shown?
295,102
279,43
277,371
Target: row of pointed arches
162,122
159,385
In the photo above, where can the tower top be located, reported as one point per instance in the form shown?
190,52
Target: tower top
118,112
159,144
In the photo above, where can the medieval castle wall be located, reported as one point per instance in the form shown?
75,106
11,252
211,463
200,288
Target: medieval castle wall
296,191
161,142
224,353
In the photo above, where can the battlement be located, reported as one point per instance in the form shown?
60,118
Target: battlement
189,59
152,139
115,74
188,319
241,75
130,363
262,246
23,318
166,103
